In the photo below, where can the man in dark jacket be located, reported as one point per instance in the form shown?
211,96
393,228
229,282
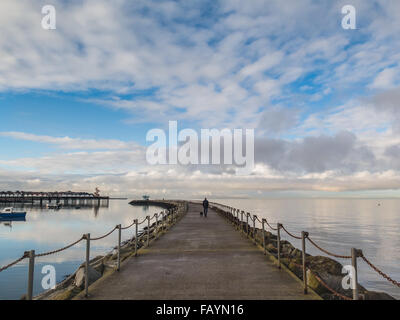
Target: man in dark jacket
205,206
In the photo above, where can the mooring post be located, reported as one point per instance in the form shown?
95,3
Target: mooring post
148,230
156,225
31,272
87,264
354,255
136,236
263,235
279,244
119,247
254,228
304,235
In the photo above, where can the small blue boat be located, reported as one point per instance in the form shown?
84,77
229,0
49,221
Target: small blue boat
10,213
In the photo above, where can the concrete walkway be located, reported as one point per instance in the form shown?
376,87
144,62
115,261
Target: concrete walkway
199,258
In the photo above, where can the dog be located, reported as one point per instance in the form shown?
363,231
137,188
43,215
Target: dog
201,213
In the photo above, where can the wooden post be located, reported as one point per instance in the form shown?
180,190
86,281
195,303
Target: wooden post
304,235
254,228
119,247
156,225
247,224
31,272
148,230
279,244
241,222
136,236
354,255
87,264
263,235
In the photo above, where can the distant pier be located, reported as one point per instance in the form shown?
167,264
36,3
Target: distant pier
65,198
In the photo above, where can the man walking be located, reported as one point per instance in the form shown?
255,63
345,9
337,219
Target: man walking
205,207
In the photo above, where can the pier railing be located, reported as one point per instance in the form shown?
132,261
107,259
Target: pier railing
162,222
240,219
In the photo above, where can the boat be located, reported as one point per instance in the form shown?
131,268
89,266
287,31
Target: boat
10,213
54,206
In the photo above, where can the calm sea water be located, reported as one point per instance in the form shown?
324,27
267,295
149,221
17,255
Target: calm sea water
45,230
335,224
338,225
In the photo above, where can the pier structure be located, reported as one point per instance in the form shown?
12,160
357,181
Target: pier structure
180,254
68,198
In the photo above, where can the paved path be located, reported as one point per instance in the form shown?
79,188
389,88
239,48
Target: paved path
199,258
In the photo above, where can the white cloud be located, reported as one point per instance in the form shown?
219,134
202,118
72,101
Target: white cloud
71,143
219,67
386,79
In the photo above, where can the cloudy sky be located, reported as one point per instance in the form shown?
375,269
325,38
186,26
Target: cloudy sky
76,102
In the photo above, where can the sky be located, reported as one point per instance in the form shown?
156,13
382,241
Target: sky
77,102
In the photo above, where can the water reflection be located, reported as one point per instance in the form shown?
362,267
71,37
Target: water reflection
9,222
49,229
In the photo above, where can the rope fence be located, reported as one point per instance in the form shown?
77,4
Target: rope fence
168,218
236,216
59,250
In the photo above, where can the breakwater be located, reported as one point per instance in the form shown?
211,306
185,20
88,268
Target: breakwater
318,274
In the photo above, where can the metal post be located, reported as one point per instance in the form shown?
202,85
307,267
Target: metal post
119,247
148,230
263,235
354,255
136,236
156,225
87,264
304,235
279,244
31,271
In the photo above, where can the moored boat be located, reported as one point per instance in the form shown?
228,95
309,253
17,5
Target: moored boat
10,213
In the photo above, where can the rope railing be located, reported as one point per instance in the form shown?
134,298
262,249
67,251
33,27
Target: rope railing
168,217
59,250
328,252
236,216
271,227
14,262
290,234
127,227
104,236
144,220
334,292
396,283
